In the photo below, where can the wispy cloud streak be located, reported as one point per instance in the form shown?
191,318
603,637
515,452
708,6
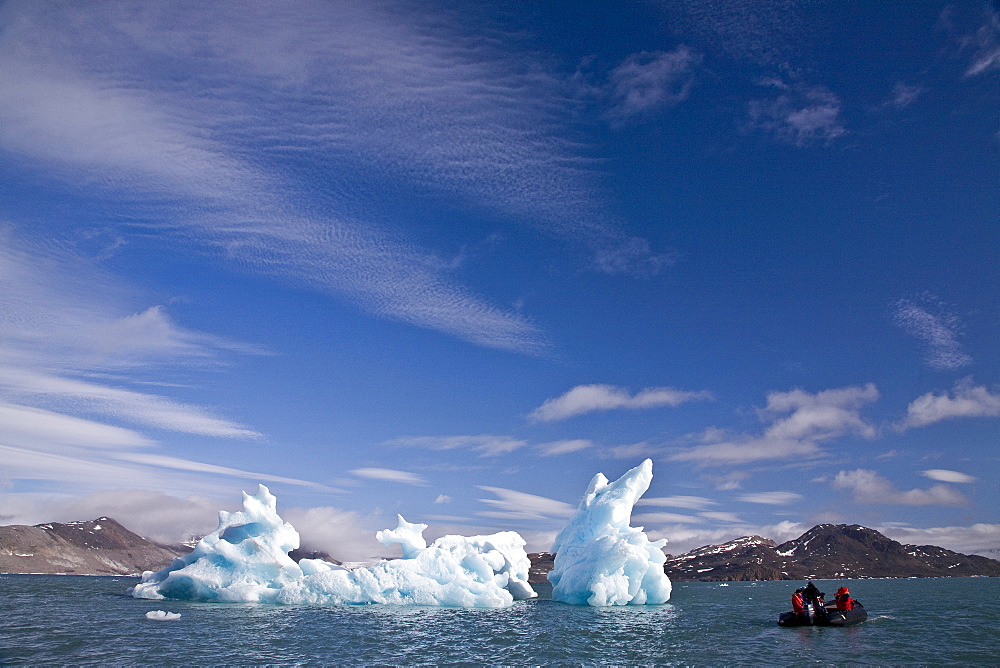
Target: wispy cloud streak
937,329
584,399
373,103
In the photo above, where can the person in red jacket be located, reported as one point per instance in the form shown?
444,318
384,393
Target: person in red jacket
798,605
844,600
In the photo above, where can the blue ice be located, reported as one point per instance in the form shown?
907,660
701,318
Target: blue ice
600,559
246,560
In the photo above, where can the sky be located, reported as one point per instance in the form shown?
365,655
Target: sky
451,259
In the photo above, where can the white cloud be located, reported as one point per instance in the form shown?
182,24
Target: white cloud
486,444
584,399
720,516
42,430
799,422
643,519
904,95
167,462
565,446
772,498
650,81
145,409
70,348
339,533
965,401
937,331
521,505
800,115
443,498
944,475
451,116
981,539
987,40
868,487
389,475
690,502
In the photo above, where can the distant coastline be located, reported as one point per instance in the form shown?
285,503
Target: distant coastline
827,551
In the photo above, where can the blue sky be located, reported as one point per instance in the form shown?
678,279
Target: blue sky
451,260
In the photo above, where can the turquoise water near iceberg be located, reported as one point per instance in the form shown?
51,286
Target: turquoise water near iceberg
59,620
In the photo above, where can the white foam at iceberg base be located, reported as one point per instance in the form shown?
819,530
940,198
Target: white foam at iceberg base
600,559
246,560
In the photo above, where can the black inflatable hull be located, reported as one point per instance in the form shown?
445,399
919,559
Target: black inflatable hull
832,618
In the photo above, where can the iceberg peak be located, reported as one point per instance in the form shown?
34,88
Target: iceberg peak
409,536
600,559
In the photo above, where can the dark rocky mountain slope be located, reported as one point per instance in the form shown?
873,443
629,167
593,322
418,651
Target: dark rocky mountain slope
95,547
827,551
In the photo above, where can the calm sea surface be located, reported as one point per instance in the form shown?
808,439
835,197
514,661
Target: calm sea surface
91,620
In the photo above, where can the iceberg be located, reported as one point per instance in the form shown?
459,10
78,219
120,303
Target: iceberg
246,560
601,560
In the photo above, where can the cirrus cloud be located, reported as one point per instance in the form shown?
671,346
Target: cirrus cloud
389,475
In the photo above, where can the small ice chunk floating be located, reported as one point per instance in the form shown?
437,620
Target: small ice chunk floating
246,560
600,559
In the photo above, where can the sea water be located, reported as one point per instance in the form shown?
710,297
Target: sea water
59,620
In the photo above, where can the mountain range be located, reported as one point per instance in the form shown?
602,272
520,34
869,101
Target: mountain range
94,547
827,551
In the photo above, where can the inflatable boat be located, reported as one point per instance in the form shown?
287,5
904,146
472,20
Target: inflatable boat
825,617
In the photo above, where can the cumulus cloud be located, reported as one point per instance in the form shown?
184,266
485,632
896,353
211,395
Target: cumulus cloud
584,399
800,115
965,401
771,498
798,423
927,319
650,81
945,475
389,475
487,445
869,487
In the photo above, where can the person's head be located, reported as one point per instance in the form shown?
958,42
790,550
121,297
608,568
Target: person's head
843,590
799,590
